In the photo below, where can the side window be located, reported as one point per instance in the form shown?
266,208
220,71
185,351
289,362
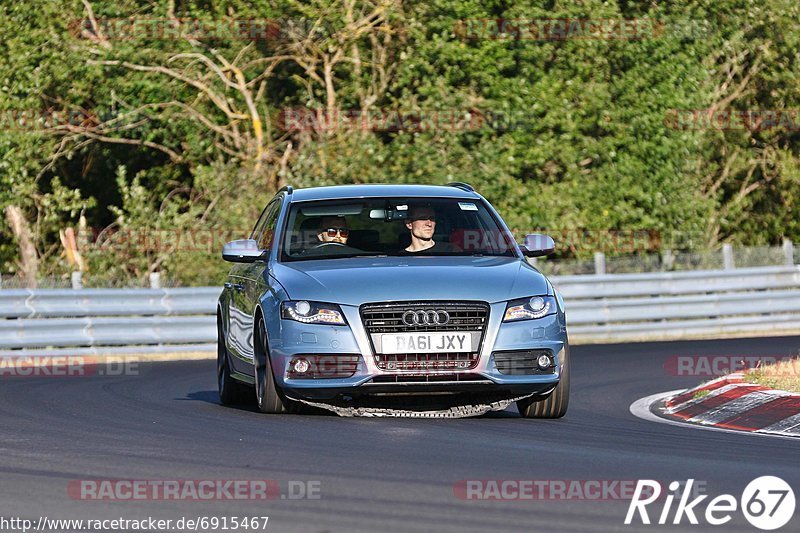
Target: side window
261,220
267,232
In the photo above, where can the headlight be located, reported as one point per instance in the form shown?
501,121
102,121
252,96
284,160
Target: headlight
530,308
313,313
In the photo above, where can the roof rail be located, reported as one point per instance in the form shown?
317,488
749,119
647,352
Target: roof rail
288,188
461,185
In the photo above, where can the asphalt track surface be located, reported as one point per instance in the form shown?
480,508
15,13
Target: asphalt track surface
375,474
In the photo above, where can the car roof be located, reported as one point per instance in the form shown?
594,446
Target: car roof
372,191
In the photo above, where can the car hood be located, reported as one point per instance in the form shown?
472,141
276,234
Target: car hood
354,281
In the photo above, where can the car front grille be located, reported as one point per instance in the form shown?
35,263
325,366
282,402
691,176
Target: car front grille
383,318
427,378
388,318
427,361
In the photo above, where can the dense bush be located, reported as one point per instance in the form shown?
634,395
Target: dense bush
106,134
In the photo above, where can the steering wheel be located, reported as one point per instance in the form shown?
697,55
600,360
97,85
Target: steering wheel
331,243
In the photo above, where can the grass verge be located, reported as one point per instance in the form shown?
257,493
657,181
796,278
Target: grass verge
783,375
702,393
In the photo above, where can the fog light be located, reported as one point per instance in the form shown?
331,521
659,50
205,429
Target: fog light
543,362
301,366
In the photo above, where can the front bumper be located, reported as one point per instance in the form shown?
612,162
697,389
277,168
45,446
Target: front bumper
290,339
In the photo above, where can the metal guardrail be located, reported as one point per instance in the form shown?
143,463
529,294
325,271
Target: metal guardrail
670,283
600,308
96,320
47,303
679,305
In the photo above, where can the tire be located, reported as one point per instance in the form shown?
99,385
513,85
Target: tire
231,392
555,404
268,397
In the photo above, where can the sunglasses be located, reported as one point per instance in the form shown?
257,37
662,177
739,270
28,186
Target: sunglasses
331,232
432,218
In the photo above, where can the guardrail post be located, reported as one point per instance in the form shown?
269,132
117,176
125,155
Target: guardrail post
599,263
77,280
788,252
155,280
727,257
667,260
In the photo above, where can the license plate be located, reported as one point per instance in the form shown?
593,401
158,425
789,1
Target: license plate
451,341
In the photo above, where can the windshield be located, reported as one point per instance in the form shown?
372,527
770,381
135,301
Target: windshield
392,227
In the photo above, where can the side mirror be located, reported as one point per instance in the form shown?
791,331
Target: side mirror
242,251
537,245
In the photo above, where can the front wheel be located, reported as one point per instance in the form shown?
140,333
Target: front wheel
555,405
268,397
230,391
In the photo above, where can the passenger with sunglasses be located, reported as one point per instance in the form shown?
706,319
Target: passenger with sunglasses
333,229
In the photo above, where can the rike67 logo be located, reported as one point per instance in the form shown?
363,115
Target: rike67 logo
767,503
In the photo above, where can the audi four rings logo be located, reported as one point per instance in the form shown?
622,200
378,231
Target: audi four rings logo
426,318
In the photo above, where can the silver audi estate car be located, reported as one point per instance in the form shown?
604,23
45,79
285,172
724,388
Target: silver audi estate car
395,295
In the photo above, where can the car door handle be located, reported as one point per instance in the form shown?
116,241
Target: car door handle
235,286
228,285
